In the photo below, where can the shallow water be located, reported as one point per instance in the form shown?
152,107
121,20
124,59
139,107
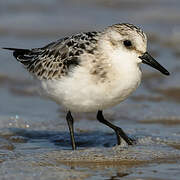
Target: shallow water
34,138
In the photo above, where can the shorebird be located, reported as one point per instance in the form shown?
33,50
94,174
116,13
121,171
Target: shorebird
90,71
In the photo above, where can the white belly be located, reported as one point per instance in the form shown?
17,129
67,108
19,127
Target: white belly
79,93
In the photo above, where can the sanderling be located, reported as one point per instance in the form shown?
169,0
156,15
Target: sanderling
91,71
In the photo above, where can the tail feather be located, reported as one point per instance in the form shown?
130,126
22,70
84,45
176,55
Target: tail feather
15,49
19,53
25,56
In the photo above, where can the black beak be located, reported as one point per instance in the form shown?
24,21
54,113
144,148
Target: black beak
148,59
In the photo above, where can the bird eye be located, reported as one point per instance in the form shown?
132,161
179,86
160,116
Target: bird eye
127,43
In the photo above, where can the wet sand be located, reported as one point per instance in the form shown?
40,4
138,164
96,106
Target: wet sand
34,138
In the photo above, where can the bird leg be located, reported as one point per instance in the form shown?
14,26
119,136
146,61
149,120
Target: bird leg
119,132
70,121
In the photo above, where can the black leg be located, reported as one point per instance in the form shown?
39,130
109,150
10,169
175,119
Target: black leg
70,121
119,132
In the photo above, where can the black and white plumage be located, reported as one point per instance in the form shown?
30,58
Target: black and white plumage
54,60
91,71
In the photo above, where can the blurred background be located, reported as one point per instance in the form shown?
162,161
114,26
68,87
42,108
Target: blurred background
31,126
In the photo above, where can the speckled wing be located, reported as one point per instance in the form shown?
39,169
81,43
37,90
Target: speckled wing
56,59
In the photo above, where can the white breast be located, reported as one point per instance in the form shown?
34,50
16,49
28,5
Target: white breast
79,92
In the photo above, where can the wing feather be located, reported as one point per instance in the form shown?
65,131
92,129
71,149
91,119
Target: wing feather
55,59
